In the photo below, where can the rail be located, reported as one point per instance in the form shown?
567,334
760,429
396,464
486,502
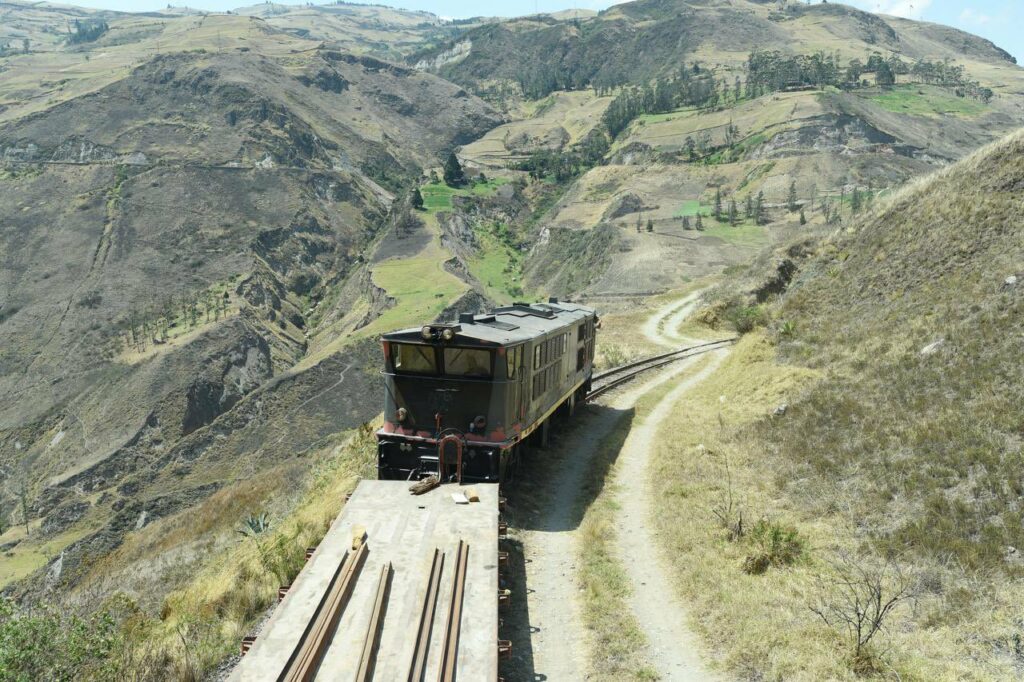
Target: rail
631,370
306,658
419,657
450,647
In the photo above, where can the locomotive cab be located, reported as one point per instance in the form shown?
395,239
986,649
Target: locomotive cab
457,396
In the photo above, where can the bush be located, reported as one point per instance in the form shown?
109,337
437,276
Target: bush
48,643
775,545
613,356
746,318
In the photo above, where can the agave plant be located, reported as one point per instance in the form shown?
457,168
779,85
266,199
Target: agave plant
255,525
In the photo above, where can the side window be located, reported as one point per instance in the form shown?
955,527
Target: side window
513,362
536,356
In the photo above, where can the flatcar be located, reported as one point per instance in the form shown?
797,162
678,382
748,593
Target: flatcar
463,400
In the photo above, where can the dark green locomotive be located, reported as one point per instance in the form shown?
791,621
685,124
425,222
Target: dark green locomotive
462,399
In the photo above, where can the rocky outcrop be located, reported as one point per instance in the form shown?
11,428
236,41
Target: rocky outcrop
626,205
230,378
452,55
470,302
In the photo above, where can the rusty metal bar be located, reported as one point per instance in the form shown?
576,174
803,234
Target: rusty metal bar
309,652
449,653
419,656
368,659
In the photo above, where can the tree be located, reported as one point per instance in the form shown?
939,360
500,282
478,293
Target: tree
700,223
791,199
803,218
417,199
734,215
760,217
884,75
691,148
749,209
686,223
718,204
454,176
732,133
25,44
855,201
650,225
23,494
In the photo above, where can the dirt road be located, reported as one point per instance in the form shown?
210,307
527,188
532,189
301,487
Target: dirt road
550,616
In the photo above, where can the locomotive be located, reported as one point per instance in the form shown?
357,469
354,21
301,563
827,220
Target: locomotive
463,400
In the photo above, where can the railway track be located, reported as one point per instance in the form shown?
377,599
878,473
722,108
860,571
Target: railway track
612,378
404,621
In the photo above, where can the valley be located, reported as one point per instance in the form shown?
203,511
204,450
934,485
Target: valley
207,220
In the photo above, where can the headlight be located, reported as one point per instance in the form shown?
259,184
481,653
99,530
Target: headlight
427,333
448,334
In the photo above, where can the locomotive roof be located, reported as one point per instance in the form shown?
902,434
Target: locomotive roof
507,325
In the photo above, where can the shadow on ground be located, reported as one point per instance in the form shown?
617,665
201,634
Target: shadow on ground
552,489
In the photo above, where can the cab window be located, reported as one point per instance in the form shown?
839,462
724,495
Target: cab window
412,359
467,362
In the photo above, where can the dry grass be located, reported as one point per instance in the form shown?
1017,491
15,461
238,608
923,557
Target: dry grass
201,624
884,453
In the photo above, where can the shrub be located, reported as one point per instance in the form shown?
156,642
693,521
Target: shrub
774,545
746,318
614,356
48,643
856,598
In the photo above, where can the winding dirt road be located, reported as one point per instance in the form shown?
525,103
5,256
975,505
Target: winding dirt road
549,533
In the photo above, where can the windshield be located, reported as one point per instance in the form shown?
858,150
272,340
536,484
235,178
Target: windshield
467,362
412,359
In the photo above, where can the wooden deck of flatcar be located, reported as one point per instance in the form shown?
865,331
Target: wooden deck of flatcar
383,618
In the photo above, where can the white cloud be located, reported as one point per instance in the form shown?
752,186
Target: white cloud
970,16
911,9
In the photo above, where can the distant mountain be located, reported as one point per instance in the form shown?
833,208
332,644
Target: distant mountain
640,40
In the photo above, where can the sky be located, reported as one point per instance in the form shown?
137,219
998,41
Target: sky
1001,21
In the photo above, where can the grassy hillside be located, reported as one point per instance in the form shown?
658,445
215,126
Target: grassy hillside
918,311
173,233
583,98
896,460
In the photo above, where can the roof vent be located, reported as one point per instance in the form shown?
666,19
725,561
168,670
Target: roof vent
466,318
553,299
